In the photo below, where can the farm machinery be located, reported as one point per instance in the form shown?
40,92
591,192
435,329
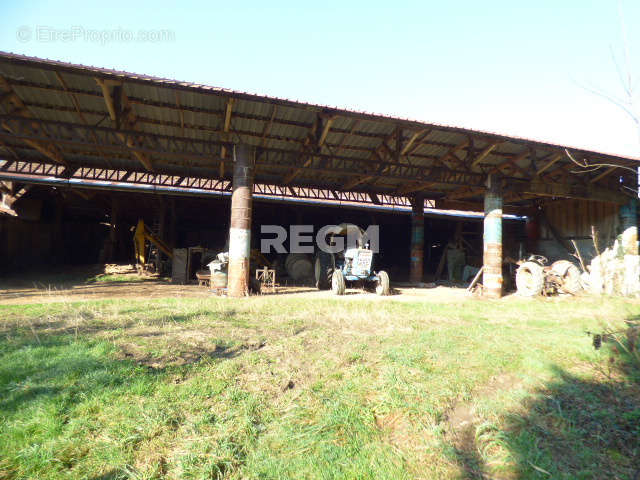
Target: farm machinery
352,265
535,277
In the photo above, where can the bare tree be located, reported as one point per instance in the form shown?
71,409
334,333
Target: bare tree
626,100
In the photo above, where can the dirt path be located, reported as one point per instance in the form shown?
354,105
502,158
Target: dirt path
12,295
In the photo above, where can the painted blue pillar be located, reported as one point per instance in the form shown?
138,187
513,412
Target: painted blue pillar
417,239
492,239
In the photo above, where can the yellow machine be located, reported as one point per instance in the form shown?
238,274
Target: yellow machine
141,236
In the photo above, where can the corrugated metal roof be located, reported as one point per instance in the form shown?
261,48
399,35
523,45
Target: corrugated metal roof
53,91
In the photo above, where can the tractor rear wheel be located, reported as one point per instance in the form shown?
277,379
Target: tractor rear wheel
338,284
569,275
383,287
323,269
530,279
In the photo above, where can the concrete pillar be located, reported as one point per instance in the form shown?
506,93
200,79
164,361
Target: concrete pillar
629,241
492,238
240,231
417,239
629,224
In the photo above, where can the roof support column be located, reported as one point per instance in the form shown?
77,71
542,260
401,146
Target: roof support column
492,238
629,225
629,240
240,231
417,239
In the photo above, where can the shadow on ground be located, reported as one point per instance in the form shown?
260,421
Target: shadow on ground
572,427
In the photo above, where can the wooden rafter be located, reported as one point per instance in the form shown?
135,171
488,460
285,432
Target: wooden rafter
413,187
18,107
451,153
606,173
356,181
313,143
394,154
267,126
9,149
122,116
228,111
180,112
72,97
513,164
484,153
406,149
325,130
464,192
550,161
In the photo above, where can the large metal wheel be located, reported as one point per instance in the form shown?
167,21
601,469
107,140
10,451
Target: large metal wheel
530,279
323,270
383,286
338,284
570,276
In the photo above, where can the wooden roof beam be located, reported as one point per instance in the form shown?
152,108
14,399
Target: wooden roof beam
565,190
228,111
180,111
72,97
325,130
123,115
551,160
356,181
464,192
413,187
451,154
19,108
412,139
484,153
606,173
513,163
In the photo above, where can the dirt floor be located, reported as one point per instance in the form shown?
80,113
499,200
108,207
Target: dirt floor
96,283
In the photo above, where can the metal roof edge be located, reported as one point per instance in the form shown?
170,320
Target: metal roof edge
203,88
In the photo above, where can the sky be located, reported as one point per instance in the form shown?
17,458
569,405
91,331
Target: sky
512,67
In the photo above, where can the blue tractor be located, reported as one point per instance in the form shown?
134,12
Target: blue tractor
352,266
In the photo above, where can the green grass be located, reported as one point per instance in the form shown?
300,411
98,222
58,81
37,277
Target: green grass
289,387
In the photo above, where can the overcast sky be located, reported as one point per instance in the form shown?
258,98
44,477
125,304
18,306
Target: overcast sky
512,67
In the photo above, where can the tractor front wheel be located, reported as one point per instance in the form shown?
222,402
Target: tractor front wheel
338,284
530,279
383,286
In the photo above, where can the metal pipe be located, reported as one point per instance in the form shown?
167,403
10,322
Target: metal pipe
492,239
240,231
417,239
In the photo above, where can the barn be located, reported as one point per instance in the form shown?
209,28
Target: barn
85,152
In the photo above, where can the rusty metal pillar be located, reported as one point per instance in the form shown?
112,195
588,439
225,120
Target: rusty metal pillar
492,238
240,231
417,239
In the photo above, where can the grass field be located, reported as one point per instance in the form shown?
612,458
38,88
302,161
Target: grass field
302,387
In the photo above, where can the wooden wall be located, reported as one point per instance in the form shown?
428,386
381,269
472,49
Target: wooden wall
573,218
